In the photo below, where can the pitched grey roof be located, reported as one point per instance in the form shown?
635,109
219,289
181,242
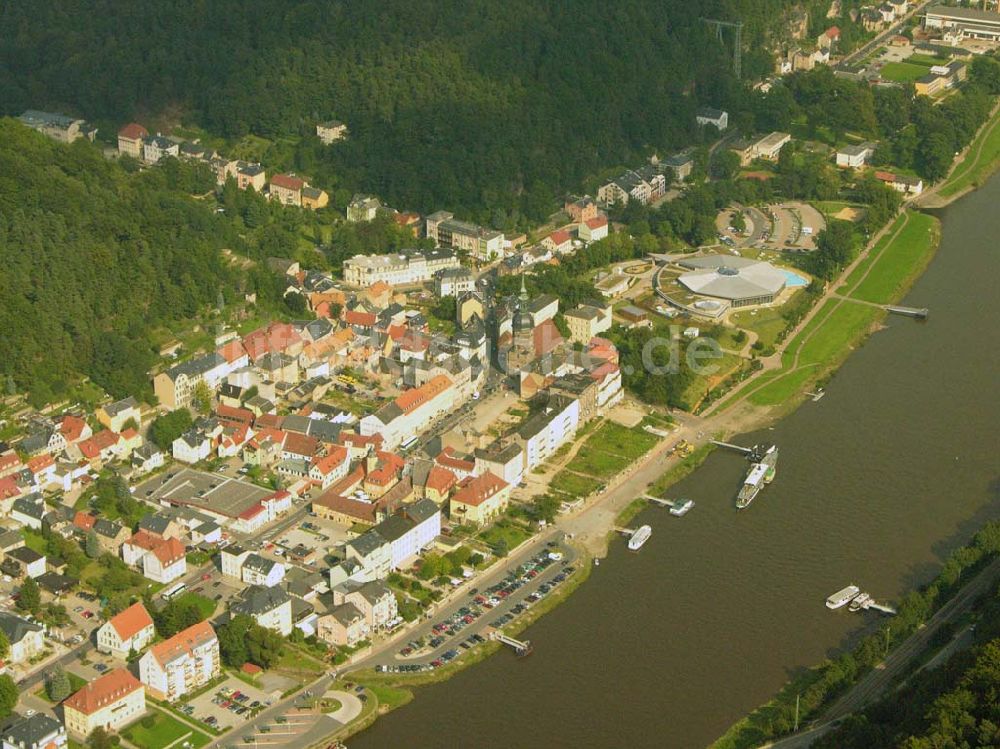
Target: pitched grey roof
113,409
106,528
16,628
367,542
347,614
29,733
257,563
394,527
257,600
25,555
154,523
420,510
30,505
195,367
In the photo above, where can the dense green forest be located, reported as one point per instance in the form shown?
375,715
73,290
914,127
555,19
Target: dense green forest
484,107
92,257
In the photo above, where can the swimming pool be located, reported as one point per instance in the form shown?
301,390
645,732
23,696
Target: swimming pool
793,279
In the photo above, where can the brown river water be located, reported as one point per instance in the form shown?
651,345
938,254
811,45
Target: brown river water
877,482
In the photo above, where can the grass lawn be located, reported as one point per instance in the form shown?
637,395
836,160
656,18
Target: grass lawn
165,731
295,664
900,261
609,450
33,540
927,60
75,684
696,391
973,170
767,323
904,72
206,606
572,483
513,534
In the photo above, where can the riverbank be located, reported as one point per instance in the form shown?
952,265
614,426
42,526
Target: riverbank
885,272
394,690
969,173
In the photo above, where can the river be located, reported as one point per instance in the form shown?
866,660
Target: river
877,482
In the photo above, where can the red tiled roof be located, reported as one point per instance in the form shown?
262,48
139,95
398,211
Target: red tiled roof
832,33
596,223
9,461
416,397
72,427
235,416
133,131
41,462
143,539
269,421
560,237
103,691
251,512
475,490
440,479
448,459
301,444
91,448
129,434
183,642
546,337
354,317
378,289
131,621
357,440
9,487
335,457
232,350
287,181
885,176
169,551
276,337
84,520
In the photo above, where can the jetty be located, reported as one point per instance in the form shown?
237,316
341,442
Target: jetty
521,648
659,501
737,448
919,313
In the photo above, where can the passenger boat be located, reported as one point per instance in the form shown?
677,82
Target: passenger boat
842,597
639,536
681,507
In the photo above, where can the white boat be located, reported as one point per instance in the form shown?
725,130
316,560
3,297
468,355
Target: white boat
639,536
762,471
861,602
842,597
681,507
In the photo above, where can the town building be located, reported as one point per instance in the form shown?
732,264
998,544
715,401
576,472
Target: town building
286,189
505,461
482,244
125,632
250,176
643,186
593,229
587,320
313,198
331,131
175,387
399,269
543,434
855,156
344,625
715,117
257,570
581,209
269,607
188,660
37,731
115,416
130,139
374,599
27,639
111,702
156,147
59,127
454,282
972,22
363,208
410,413
479,499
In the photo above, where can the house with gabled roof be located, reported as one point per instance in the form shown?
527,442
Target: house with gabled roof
129,630
111,702
188,660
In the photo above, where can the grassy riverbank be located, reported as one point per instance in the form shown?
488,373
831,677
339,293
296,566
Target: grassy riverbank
843,322
981,160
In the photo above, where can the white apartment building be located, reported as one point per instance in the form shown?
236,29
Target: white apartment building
545,432
401,269
174,667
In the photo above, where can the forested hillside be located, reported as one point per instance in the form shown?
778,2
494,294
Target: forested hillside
482,105
91,257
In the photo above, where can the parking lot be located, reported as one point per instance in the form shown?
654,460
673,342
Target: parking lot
231,703
469,624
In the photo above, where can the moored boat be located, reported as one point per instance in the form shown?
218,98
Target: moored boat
842,597
639,536
761,472
681,507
